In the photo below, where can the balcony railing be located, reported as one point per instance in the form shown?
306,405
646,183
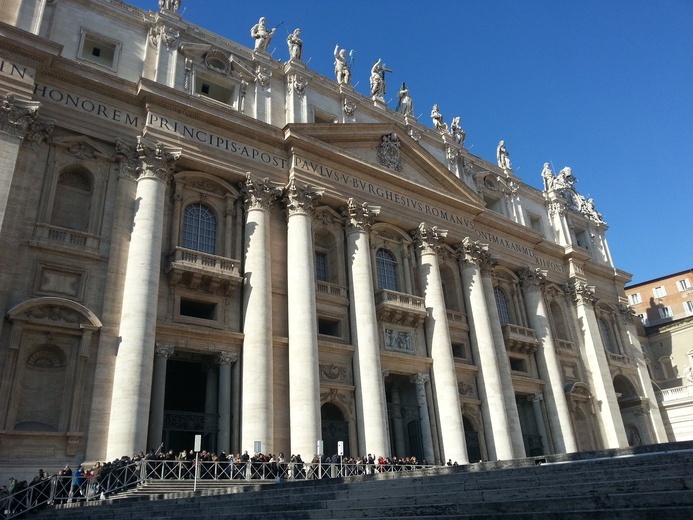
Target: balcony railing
566,347
66,237
519,339
198,270
617,359
331,292
400,308
672,394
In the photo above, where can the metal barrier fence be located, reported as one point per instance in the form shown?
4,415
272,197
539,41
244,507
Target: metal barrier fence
59,489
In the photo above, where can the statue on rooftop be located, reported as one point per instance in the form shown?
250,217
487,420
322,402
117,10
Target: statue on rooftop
262,35
378,80
341,66
295,45
547,177
437,118
458,134
405,106
169,5
503,156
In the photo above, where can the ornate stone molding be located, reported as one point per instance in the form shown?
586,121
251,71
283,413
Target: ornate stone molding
300,199
477,253
163,350
334,372
159,32
263,76
627,312
428,239
19,118
297,84
465,389
389,153
145,160
419,379
535,398
349,108
532,279
581,292
258,195
227,358
359,217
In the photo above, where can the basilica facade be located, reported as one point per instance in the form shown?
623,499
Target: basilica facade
199,239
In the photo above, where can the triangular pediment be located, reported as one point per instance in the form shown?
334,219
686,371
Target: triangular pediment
386,151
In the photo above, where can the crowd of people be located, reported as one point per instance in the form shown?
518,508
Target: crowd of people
85,483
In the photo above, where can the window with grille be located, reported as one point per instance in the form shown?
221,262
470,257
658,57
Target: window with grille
321,266
605,332
199,229
387,270
502,305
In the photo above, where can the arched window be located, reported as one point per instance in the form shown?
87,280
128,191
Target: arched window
387,270
72,201
199,229
559,321
502,305
605,332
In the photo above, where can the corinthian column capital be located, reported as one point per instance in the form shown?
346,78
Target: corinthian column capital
419,379
532,279
474,252
359,217
146,160
16,115
227,358
581,292
428,239
300,199
258,195
163,350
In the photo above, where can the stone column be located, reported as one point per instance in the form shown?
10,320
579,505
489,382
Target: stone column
444,377
515,429
599,375
156,409
536,400
370,390
420,381
211,370
533,281
297,103
634,351
165,40
304,369
226,359
17,118
397,423
132,381
493,402
257,406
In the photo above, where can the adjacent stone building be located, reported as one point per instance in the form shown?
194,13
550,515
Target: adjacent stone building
199,239
665,308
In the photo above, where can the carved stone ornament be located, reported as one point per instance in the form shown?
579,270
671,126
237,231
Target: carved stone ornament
349,107
429,239
20,119
627,312
532,279
359,217
298,84
227,358
419,379
168,35
258,195
581,292
334,372
465,389
300,199
163,350
54,314
263,76
154,160
389,153
218,61
477,253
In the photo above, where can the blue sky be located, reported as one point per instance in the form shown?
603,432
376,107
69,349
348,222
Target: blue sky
601,86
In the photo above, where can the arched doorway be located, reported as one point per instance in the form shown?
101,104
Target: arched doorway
335,428
633,408
471,436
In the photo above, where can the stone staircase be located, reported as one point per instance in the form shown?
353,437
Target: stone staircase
633,483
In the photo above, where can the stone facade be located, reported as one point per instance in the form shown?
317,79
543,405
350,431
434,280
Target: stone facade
199,239
664,307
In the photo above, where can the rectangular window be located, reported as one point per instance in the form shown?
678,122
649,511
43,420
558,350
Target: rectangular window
198,309
223,94
644,319
659,292
328,327
99,50
458,350
535,222
688,308
683,285
518,365
635,298
665,312
321,266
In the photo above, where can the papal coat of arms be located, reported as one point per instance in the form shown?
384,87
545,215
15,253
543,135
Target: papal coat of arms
388,152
